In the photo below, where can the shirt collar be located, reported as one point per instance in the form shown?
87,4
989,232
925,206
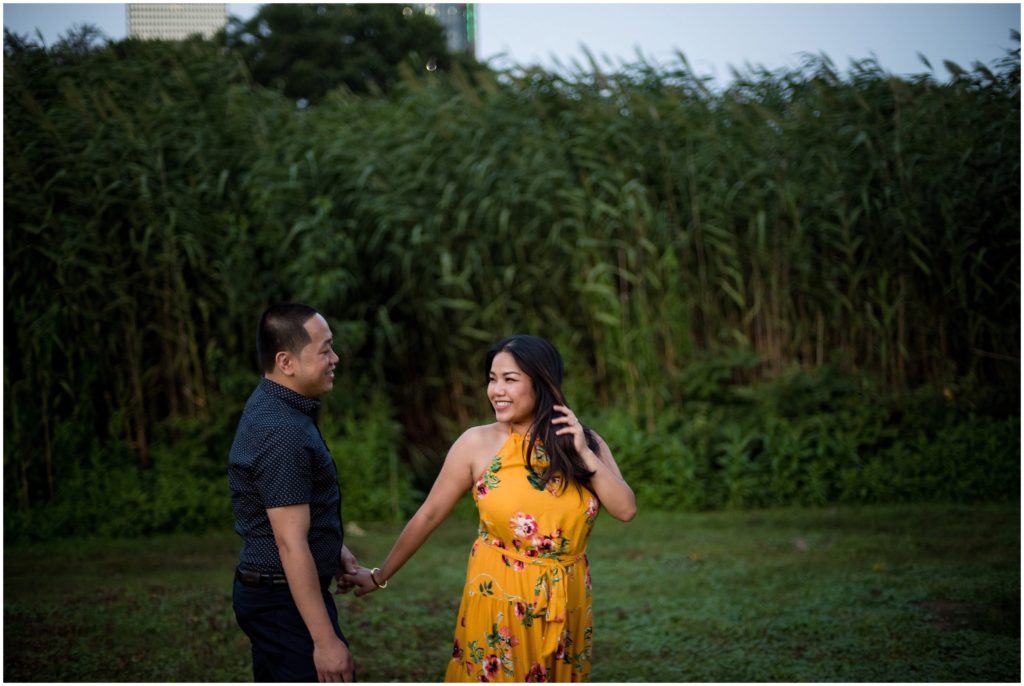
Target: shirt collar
307,406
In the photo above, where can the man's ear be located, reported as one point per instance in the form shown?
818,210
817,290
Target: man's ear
285,361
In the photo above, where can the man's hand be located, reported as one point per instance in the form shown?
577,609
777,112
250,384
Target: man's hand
333,661
349,565
361,581
343,585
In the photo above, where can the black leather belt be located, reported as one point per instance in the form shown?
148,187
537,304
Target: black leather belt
260,579
256,579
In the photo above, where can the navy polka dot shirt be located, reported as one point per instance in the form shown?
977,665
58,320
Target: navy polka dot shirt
279,458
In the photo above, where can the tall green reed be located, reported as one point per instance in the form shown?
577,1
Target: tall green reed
156,201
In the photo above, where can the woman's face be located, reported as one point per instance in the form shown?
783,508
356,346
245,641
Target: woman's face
511,394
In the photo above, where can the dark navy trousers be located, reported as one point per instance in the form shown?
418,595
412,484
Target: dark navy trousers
282,649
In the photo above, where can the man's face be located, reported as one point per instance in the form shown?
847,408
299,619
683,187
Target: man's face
314,365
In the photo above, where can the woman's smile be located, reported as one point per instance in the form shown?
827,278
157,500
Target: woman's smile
510,391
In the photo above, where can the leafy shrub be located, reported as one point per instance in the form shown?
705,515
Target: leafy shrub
374,484
811,438
186,489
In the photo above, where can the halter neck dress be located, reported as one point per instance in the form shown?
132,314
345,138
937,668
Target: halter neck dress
525,613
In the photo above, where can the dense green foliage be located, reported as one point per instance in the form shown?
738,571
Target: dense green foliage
921,593
817,438
688,250
305,50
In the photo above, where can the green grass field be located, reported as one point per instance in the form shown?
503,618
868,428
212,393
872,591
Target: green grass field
907,593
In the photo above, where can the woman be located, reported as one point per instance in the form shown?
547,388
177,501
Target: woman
538,477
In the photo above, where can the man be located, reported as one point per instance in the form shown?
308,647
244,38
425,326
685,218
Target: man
287,505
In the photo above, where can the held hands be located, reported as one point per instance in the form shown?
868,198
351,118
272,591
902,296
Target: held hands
349,565
351,575
361,581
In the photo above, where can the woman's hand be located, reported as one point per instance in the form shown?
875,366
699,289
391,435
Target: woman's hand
607,483
575,429
361,581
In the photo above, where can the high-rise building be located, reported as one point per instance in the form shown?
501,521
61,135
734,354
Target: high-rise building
175,21
459,22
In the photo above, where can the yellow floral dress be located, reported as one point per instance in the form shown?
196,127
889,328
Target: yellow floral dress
526,610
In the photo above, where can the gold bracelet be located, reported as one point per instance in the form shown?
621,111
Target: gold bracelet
374,579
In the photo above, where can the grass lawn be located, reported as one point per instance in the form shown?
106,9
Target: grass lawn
900,593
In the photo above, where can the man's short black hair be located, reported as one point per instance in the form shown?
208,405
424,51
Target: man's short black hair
282,327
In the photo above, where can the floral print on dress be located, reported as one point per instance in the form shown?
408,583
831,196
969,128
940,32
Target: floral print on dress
552,543
563,653
537,673
500,638
540,462
489,479
540,455
523,525
549,545
535,480
491,666
525,614
593,507
517,565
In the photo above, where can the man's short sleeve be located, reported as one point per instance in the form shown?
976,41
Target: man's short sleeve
282,474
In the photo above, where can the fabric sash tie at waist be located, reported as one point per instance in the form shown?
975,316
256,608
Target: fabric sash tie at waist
553,597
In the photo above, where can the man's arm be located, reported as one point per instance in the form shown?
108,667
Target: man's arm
291,533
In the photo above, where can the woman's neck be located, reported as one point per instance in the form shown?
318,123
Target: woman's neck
519,428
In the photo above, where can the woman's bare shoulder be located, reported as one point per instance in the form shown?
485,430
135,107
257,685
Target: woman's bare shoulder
484,433
480,439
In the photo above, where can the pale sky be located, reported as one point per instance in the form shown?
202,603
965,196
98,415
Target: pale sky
712,36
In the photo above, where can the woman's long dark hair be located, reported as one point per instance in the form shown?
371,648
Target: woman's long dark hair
541,362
